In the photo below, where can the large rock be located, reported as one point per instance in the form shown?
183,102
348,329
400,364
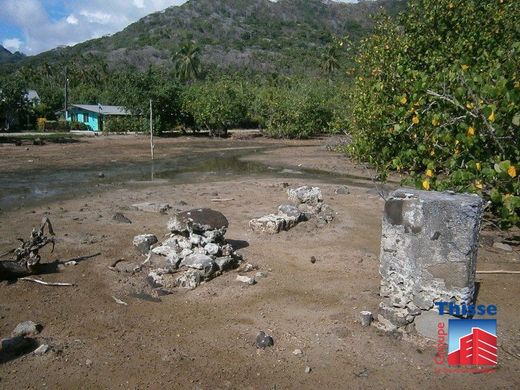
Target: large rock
428,252
305,194
143,242
189,279
290,211
198,221
271,224
199,261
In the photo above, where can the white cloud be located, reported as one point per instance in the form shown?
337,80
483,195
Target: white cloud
12,44
139,3
94,19
71,19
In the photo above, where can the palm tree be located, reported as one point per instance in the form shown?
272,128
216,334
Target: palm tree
329,59
187,62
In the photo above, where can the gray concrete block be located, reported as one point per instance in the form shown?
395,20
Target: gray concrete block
428,250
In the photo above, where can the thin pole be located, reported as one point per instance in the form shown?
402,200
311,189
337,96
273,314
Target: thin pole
151,129
66,92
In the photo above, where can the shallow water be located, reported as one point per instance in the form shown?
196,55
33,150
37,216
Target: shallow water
38,187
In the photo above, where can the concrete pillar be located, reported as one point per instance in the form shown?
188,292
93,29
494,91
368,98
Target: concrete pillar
428,253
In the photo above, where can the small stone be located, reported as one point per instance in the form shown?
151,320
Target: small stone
212,249
196,239
502,246
248,267
289,210
88,362
308,370
342,190
313,259
246,279
305,194
200,262
261,275
26,328
263,340
297,352
190,279
144,241
366,318
41,350
120,218
363,373
225,262
101,175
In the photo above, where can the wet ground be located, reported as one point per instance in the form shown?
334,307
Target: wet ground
204,338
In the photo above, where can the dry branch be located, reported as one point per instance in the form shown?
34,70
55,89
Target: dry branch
498,272
26,256
47,283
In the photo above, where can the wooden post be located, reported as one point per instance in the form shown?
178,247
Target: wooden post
152,146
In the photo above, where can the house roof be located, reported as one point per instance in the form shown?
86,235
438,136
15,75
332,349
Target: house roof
100,108
32,95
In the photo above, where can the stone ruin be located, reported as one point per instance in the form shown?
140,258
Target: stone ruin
428,254
195,251
306,203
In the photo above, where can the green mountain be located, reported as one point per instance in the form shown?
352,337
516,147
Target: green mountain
254,34
7,57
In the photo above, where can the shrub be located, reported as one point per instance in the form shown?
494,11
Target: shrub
438,95
124,124
216,106
298,111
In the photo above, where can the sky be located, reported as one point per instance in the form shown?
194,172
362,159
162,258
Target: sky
33,26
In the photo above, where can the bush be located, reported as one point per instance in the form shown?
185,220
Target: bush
125,124
60,126
438,95
298,111
216,106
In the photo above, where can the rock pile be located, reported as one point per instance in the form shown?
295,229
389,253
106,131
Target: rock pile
307,203
196,250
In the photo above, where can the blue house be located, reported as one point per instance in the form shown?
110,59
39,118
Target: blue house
93,115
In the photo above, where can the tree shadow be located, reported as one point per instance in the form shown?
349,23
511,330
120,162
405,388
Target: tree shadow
11,274
15,347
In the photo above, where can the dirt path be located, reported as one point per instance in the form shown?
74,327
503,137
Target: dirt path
204,338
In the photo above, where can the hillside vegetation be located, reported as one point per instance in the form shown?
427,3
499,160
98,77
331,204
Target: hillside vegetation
433,92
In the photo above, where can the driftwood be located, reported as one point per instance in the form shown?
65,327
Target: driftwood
25,259
59,284
498,272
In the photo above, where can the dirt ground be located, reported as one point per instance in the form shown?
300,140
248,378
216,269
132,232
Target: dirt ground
204,338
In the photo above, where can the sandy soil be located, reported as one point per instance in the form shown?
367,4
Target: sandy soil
204,338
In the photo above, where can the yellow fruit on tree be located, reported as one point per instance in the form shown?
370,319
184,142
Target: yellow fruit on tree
492,117
404,100
477,165
511,171
426,185
478,184
429,173
464,67
415,120
471,131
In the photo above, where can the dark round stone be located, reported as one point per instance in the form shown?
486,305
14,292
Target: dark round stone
263,340
198,220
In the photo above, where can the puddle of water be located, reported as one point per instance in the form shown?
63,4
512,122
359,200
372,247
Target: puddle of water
41,186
